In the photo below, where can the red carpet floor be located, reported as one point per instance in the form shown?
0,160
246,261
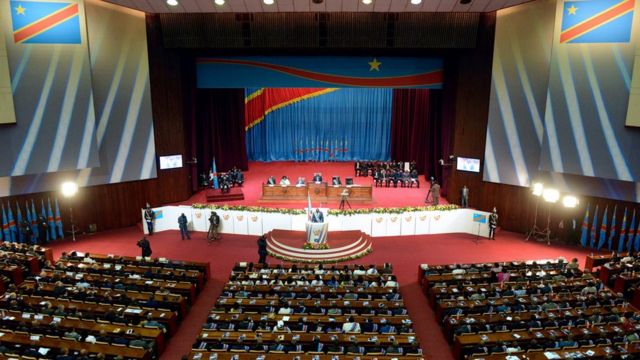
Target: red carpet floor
405,253
259,172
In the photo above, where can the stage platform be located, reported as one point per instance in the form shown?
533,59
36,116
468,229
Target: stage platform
259,172
344,245
215,195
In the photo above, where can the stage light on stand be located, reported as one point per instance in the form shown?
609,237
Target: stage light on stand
416,2
538,187
367,2
570,201
69,189
219,2
172,2
551,195
268,2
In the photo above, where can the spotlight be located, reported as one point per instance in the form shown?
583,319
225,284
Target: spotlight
367,2
172,2
570,201
538,188
69,189
219,2
268,2
416,2
550,195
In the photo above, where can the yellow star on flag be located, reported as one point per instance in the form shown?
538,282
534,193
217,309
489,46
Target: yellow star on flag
374,65
20,10
572,10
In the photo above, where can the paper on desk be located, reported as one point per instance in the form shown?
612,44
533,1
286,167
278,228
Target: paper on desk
551,355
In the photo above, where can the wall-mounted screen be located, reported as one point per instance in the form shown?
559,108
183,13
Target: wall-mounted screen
170,162
468,164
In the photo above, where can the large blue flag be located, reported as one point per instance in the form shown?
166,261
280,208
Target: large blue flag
34,221
585,228
612,229
43,214
29,221
40,22
631,231
214,174
5,226
597,21
594,226
623,229
21,239
51,221
12,224
59,221
603,229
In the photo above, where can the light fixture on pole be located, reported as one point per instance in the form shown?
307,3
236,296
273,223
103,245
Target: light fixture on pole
172,2
538,188
69,190
551,196
570,201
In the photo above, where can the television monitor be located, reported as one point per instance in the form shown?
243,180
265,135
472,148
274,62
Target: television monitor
170,162
468,164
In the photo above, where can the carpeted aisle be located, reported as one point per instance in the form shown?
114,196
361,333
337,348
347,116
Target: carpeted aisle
405,253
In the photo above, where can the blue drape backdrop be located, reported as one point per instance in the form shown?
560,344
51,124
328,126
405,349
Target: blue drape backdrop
341,125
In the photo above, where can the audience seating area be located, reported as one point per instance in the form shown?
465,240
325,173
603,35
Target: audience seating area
534,310
17,261
308,312
98,306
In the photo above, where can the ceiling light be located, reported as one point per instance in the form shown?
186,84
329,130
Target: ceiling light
570,201
551,195
367,2
538,188
219,2
416,2
172,2
268,2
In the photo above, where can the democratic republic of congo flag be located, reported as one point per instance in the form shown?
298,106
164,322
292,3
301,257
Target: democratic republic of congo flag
39,22
597,21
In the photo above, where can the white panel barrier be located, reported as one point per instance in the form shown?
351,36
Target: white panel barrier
257,223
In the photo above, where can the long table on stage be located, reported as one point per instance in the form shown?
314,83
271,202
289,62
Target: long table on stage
318,192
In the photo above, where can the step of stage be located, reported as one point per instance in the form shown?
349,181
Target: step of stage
215,195
288,245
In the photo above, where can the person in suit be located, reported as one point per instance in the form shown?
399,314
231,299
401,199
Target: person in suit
285,181
25,229
271,180
145,246
435,193
317,178
317,216
43,230
336,181
262,249
149,218
214,223
300,182
464,196
183,225
493,224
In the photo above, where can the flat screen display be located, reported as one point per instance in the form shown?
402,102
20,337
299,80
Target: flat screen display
468,164
170,162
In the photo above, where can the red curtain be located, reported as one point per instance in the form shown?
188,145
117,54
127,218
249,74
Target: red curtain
419,132
220,130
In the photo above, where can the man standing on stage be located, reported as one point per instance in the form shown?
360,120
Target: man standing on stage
435,193
145,246
43,230
493,224
214,222
183,225
317,216
464,196
149,217
262,249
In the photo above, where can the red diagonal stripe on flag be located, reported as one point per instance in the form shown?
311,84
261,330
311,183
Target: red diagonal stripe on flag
597,20
45,23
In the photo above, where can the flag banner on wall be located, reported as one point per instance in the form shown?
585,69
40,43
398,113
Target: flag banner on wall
38,22
585,228
603,229
319,71
597,21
